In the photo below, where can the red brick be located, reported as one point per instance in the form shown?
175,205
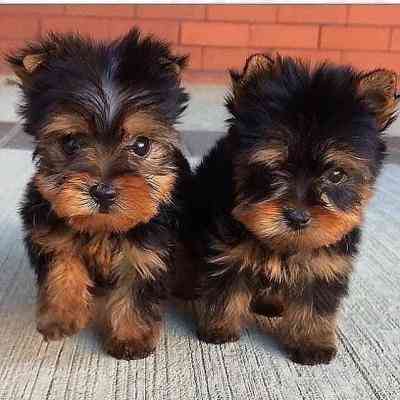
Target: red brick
7,46
167,30
395,43
291,36
223,58
18,9
93,27
195,56
171,11
312,55
368,60
374,14
244,12
358,38
206,77
104,10
214,34
11,44
19,27
327,14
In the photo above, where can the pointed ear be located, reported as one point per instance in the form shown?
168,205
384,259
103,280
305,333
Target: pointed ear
176,64
254,63
25,63
32,61
379,89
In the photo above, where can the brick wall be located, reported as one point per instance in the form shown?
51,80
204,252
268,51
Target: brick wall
221,36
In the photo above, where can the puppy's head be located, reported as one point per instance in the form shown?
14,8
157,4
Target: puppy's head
308,148
102,116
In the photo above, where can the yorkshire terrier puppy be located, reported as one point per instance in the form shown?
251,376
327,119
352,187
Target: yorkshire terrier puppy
278,203
101,213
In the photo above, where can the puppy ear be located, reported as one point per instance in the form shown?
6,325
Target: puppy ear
258,62
25,63
379,90
254,63
175,64
32,61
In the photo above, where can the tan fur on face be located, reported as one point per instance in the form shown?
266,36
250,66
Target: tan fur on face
64,124
349,162
68,199
139,194
135,203
328,225
263,219
162,187
143,123
272,155
134,199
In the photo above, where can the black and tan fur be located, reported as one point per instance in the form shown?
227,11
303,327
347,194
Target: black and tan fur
102,116
302,141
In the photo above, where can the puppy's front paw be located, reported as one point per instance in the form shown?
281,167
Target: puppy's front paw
55,323
218,336
53,328
129,349
312,354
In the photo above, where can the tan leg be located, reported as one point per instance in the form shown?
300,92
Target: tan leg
221,314
308,336
65,303
131,325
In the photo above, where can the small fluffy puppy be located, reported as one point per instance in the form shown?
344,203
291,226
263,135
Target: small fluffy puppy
278,203
101,213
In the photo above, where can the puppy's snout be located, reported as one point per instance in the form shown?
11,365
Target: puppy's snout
297,218
103,193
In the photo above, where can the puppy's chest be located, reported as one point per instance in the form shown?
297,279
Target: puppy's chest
263,265
103,254
111,259
302,268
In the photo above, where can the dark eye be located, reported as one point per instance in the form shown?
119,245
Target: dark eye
141,146
71,145
336,176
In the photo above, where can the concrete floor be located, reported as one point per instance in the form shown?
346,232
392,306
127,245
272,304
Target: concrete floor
183,368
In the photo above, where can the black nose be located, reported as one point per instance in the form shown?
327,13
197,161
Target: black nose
103,193
297,217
